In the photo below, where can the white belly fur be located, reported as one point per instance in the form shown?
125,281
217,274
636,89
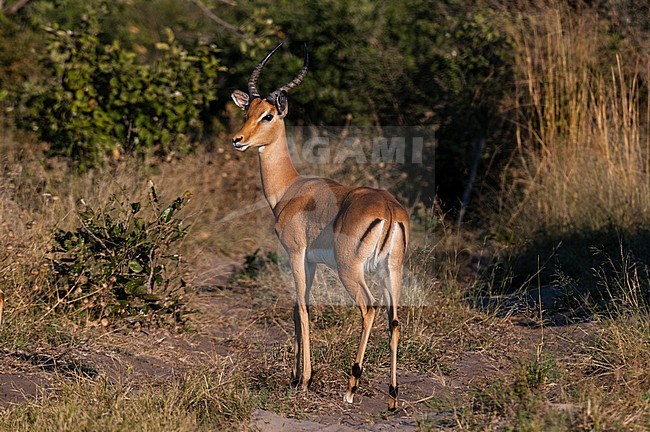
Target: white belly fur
322,256
326,256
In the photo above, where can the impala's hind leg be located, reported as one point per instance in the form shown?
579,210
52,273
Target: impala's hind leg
393,286
354,282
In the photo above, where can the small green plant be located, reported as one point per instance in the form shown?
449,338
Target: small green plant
535,374
527,388
254,263
120,261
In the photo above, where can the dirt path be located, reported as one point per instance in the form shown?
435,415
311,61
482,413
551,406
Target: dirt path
234,323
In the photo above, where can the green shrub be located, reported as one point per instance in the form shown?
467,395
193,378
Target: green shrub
254,263
99,100
120,261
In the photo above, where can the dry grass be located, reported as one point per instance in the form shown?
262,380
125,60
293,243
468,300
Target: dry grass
580,179
595,388
196,401
36,198
549,392
593,379
582,132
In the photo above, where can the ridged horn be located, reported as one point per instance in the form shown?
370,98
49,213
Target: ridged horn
293,83
252,90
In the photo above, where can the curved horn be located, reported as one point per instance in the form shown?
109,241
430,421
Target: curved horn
296,81
252,90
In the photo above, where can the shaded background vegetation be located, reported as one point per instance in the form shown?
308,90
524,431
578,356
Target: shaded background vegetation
77,73
540,108
525,92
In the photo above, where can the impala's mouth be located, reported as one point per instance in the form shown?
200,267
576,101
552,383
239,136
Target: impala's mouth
240,147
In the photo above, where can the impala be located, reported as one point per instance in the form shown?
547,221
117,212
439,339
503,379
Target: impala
319,221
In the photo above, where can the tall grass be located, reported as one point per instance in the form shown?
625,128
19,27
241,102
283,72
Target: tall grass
582,127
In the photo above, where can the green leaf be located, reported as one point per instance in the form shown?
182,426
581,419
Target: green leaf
135,266
167,214
135,286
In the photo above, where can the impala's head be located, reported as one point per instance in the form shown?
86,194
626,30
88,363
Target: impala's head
264,117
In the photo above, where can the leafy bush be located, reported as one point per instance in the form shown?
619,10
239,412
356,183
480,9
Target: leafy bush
99,100
120,263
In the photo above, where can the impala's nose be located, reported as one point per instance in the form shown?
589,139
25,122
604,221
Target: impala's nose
235,143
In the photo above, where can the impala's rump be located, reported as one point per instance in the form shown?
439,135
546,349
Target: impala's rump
371,219
364,228
368,231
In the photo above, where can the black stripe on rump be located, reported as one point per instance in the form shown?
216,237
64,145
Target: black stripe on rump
365,234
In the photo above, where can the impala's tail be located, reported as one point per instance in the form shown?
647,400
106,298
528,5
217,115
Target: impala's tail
385,238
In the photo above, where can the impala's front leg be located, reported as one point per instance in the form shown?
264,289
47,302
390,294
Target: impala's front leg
303,275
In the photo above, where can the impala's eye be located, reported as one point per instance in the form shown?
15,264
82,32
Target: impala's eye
267,117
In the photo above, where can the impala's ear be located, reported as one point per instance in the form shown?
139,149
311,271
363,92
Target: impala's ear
281,104
241,99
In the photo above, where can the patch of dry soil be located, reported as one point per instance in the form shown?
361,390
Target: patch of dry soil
228,319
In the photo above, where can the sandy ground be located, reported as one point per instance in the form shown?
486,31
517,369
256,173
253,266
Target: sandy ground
227,320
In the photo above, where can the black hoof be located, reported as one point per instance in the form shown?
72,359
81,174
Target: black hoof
356,370
295,381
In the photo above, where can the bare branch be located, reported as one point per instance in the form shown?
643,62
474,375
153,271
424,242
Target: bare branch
229,2
218,20
2,305
14,7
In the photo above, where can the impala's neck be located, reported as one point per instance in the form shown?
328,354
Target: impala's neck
276,169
